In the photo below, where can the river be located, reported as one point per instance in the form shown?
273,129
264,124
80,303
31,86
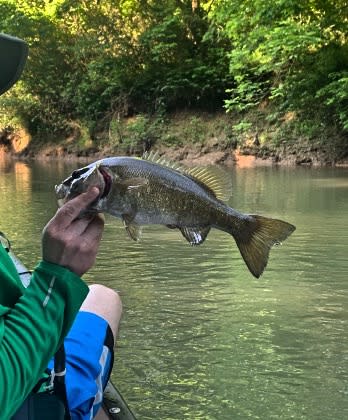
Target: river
200,337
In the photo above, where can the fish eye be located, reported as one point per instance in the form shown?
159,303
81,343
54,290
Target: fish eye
76,174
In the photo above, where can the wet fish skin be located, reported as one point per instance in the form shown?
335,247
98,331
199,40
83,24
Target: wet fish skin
142,192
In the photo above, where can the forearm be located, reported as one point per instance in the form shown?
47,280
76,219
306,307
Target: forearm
34,329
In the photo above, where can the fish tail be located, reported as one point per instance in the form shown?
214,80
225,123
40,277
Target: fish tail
257,238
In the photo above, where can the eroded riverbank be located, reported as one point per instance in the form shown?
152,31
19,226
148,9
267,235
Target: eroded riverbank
193,139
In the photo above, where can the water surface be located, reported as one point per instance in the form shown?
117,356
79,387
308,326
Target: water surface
200,337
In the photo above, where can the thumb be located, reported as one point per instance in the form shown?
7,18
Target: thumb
72,209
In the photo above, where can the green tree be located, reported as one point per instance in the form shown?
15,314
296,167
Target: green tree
38,98
286,51
89,59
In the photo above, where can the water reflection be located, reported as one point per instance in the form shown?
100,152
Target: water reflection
201,338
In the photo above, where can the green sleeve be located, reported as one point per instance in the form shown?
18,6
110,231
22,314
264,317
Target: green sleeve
34,329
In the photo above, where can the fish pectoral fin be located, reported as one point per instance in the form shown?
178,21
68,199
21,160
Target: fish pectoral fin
133,229
195,235
132,183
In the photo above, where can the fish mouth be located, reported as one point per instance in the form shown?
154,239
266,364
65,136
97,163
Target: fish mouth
107,182
104,184
61,192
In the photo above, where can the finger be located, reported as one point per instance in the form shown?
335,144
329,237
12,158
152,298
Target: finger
78,226
71,210
86,224
94,230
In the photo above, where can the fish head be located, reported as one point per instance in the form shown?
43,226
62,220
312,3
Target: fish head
81,179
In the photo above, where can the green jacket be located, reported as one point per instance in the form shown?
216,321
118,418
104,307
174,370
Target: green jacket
33,324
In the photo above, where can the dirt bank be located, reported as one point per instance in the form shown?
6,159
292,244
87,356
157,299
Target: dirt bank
193,139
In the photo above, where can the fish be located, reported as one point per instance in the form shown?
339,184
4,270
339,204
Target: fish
152,190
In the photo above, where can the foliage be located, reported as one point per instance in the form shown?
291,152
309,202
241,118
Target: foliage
39,97
335,96
292,53
135,135
98,61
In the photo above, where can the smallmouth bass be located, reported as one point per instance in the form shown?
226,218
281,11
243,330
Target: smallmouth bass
153,191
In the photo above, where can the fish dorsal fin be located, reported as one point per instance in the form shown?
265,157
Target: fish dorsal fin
213,177
161,160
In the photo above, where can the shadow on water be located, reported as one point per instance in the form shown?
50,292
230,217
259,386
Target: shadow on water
201,338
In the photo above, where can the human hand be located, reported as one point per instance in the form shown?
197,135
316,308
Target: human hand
71,241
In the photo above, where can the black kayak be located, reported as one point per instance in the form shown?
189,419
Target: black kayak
114,405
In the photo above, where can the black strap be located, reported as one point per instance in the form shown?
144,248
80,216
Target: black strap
59,379
109,342
42,381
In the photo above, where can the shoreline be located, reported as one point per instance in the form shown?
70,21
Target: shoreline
187,138
187,156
